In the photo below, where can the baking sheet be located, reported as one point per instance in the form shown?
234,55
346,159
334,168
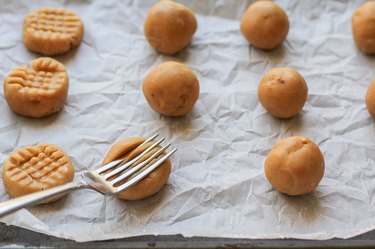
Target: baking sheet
217,186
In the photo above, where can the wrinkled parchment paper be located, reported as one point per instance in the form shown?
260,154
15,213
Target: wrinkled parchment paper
217,187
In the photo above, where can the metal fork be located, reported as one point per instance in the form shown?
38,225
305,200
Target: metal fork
104,179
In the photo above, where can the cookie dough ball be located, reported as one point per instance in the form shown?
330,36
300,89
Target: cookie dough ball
171,89
151,184
36,168
294,166
169,27
265,25
52,31
363,27
282,92
370,98
37,90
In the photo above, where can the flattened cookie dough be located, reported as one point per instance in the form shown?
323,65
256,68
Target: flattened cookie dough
295,166
39,90
169,27
171,89
150,185
35,168
52,31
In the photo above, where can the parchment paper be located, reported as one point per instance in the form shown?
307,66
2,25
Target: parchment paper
217,186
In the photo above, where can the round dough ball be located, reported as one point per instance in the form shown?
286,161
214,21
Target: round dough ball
38,90
169,27
151,184
294,166
370,98
265,25
171,89
363,27
282,92
52,31
36,168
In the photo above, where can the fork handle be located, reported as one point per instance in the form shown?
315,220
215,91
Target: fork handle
15,204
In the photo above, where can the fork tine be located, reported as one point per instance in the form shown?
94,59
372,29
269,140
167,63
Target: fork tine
142,175
117,162
128,164
108,166
139,166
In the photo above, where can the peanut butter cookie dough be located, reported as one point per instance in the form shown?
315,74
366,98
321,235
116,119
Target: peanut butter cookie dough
294,166
370,98
265,25
169,27
150,185
39,90
363,27
52,31
171,89
282,92
36,168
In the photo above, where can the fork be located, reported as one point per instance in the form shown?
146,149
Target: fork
104,179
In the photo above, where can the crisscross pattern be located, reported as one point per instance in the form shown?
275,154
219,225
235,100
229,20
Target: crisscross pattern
55,23
39,167
45,76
